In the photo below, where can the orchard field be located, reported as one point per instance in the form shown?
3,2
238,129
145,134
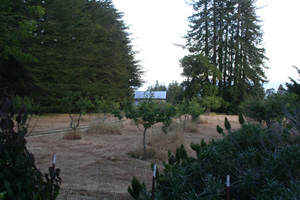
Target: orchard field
99,166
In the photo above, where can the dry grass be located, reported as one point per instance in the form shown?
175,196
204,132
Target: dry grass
161,143
158,144
138,152
100,166
72,135
104,128
191,127
202,121
174,127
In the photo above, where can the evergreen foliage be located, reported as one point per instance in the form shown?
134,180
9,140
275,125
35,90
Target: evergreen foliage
227,124
241,119
262,163
294,87
57,46
271,108
19,177
174,93
228,36
157,87
138,190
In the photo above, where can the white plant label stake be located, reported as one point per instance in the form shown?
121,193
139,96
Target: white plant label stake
153,181
228,186
54,161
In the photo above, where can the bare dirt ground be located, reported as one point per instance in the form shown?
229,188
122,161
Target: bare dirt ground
98,166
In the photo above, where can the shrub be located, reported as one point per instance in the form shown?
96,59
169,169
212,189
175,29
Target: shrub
195,108
19,177
270,109
211,102
263,164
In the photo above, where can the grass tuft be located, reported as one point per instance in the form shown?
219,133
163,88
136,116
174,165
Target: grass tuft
191,127
161,143
72,135
139,153
104,129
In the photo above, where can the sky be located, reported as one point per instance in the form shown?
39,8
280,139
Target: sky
156,26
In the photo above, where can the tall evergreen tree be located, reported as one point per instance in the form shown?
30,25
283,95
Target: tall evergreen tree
17,22
79,45
294,86
229,34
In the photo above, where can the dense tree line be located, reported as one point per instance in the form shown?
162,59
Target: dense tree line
51,47
226,55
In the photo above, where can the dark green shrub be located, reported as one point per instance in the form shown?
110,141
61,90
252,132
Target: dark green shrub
227,124
195,108
269,109
138,190
19,177
263,163
241,119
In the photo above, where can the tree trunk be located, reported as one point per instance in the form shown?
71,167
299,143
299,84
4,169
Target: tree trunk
144,140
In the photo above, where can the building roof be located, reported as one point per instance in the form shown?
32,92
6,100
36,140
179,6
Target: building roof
147,94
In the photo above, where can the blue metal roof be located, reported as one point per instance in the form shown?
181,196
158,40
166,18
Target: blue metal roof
147,94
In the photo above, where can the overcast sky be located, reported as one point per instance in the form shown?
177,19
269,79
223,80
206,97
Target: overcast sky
156,25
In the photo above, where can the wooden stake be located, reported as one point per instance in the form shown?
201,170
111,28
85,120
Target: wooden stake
153,181
228,186
54,161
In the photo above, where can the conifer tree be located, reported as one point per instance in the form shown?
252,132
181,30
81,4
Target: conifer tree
229,34
50,47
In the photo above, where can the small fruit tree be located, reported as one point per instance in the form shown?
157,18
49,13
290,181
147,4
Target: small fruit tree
190,107
105,107
148,113
75,103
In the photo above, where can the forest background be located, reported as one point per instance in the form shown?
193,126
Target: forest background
50,48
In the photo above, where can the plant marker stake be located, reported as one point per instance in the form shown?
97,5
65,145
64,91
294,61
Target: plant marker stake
228,186
153,181
54,161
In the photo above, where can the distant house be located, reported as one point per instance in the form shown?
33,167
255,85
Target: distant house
155,95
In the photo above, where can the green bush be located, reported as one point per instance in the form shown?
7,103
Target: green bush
263,163
196,108
269,109
192,107
19,177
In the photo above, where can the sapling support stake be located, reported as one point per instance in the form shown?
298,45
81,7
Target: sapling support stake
54,161
153,181
228,186
52,175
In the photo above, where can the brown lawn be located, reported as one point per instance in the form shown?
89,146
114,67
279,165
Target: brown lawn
98,166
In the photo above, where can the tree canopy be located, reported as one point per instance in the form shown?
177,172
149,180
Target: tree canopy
51,47
229,35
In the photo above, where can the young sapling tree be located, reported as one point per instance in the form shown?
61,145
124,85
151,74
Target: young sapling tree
75,103
150,112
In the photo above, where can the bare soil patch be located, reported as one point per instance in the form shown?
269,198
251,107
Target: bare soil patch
98,166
